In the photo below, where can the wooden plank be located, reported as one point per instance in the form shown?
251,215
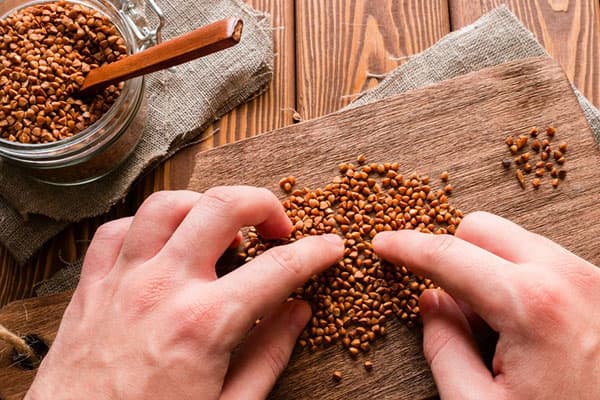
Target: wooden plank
568,29
19,281
272,110
39,316
511,97
346,47
398,374
464,135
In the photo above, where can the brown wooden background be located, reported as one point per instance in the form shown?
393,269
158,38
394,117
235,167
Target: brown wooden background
327,52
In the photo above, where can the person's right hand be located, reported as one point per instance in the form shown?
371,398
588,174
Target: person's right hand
542,300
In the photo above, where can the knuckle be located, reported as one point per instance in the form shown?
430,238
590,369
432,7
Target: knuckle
286,259
202,311
157,201
542,304
584,277
111,230
197,317
220,199
161,197
207,318
149,292
435,252
268,196
472,220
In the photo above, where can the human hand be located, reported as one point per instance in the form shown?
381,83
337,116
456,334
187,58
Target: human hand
150,319
542,300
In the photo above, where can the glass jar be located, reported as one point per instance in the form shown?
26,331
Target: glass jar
99,149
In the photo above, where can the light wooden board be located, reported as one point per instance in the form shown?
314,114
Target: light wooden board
456,125
346,47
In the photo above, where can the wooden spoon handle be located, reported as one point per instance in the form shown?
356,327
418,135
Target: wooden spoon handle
200,42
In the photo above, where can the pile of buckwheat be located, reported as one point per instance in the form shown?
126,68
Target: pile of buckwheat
46,51
353,300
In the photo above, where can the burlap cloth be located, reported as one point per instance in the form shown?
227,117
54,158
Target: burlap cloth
181,105
495,38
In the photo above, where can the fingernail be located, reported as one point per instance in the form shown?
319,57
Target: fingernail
300,313
332,238
429,303
382,237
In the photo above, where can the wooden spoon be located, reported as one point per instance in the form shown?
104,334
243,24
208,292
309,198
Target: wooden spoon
198,43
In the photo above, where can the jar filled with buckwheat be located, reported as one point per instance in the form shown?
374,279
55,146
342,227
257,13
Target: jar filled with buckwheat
47,48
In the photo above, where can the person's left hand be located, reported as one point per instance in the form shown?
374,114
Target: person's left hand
150,319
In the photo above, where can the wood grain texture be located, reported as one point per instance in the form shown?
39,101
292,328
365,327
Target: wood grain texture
437,134
346,47
428,131
272,110
568,29
399,372
19,281
37,316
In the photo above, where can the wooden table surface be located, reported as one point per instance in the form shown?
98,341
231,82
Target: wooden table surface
328,52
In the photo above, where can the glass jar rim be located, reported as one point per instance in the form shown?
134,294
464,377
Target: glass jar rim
43,150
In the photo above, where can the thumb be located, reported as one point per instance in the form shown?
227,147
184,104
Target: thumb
265,354
458,370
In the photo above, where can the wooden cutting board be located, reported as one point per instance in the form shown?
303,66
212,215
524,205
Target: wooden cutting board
458,125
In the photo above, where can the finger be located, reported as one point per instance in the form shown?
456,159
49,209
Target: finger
216,219
478,326
485,337
457,367
239,238
265,354
506,239
268,280
155,222
477,277
104,249
516,244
